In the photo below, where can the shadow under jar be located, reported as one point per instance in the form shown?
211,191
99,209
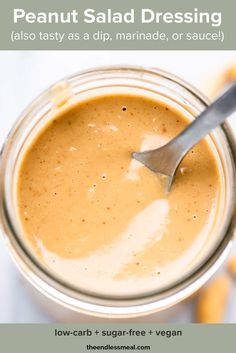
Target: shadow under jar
101,301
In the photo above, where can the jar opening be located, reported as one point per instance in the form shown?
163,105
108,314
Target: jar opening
142,82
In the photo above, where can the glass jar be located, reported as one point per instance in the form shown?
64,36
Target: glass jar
153,83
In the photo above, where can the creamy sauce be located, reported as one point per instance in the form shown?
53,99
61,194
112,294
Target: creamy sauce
103,221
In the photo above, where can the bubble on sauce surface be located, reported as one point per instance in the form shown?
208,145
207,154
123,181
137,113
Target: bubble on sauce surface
72,149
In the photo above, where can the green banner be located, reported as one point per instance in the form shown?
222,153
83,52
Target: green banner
117,337
110,24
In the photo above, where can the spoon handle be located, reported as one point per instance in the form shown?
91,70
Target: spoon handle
214,115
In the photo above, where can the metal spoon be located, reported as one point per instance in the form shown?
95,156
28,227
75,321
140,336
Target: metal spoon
166,159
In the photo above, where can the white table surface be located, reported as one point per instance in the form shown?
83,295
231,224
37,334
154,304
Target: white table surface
23,75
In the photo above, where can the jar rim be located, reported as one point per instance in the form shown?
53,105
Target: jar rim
52,286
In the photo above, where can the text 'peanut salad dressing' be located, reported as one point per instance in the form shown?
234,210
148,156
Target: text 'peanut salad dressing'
99,219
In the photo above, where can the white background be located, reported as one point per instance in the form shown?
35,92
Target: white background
23,75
